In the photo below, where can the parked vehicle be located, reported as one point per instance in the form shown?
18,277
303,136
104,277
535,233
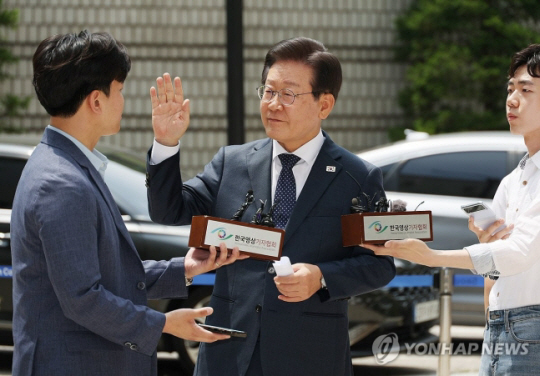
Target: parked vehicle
441,173
409,310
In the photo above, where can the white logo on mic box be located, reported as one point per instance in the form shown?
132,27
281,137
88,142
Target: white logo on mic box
397,226
247,239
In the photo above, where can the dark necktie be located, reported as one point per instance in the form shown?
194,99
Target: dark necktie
285,195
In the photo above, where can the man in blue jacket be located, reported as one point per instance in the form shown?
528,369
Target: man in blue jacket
80,290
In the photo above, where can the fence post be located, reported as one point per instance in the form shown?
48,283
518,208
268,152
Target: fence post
445,338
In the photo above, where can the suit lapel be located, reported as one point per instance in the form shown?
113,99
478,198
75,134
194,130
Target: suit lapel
259,163
55,139
316,184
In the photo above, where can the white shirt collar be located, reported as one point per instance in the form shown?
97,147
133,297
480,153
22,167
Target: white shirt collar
536,160
307,152
98,160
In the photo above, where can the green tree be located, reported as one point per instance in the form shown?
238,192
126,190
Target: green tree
10,105
458,53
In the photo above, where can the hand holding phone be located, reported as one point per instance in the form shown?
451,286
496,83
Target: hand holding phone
220,330
483,215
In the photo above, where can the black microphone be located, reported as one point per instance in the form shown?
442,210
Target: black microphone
380,206
356,207
240,212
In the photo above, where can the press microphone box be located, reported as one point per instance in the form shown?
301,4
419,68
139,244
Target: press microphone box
378,227
259,242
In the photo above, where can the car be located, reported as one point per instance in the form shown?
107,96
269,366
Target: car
409,309
441,173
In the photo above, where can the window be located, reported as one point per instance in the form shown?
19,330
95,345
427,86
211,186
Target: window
10,173
468,174
387,169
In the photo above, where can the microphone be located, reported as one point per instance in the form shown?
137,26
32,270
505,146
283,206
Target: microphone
241,210
380,206
356,181
356,207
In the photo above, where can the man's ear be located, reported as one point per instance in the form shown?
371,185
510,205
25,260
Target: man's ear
93,101
327,102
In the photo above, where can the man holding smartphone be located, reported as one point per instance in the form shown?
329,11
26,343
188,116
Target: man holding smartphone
511,256
80,289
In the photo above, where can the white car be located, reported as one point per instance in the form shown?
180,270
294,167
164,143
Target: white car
441,173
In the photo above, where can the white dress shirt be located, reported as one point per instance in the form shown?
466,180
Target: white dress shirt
516,259
307,153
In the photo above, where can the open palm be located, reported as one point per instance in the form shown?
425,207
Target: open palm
170,112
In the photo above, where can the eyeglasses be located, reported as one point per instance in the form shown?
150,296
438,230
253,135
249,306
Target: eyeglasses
286,96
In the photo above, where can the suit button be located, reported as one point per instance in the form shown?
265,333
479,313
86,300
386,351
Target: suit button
141,285
258,308
271,270
131,346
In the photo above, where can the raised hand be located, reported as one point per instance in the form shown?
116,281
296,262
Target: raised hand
170,112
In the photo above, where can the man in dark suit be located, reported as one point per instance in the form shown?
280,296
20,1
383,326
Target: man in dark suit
296,325
80,289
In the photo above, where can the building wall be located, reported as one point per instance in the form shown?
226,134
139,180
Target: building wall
188,38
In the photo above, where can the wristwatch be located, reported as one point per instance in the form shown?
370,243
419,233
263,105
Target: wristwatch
189,281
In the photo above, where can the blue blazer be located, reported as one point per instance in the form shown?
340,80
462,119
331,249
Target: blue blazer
80,289
305,338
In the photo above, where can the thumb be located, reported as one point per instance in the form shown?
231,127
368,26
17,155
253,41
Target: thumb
202,312
471,224
186,107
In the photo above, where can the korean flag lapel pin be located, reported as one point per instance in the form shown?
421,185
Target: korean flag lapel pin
330,168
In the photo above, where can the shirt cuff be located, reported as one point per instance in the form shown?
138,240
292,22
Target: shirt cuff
482,258
161,152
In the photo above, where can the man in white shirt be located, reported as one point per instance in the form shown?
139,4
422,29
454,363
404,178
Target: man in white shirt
296,325
510,256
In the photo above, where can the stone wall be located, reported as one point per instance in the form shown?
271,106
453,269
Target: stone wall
188,38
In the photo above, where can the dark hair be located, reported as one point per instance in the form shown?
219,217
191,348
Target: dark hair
69,67
530,57
326,67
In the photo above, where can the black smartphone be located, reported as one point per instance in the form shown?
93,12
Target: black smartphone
219,330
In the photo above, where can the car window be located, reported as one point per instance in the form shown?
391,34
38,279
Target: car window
468,174
128,189
10,173
387,169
